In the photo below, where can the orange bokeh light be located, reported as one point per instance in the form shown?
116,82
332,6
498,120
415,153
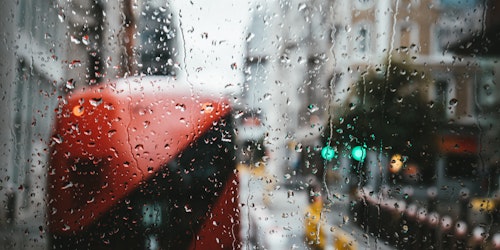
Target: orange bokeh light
78,110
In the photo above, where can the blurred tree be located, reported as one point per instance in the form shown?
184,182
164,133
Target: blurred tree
388,109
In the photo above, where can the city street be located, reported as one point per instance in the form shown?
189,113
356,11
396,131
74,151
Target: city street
280,219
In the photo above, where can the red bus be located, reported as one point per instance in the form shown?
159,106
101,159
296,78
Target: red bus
143,163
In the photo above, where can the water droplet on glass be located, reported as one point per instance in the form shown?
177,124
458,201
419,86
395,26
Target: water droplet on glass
95,101
267,96
75,63
74,40
302,6
431,104
68,185
111,132
207,107
345,219
109,106
57,139
287,176
453,102
239,114
405,228
180,106
298,147
139,147
312,108
70,84
86,40
61,17
250,36
187,209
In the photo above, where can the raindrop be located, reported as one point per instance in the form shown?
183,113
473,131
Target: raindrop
95,101
109,106
207,107
187,209
298,148
150,170
57,139
234,66
111,132
312,108
267,96
75,63
250,36
405,228
70,84
139,147
61,17
74,40
345,219
288,176
453,102
431,104
86,40
68,185
180,106
239,114
146,124
302,6
66,228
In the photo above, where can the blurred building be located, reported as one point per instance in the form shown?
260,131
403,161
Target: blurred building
304,57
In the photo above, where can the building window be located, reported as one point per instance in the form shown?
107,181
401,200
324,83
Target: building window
362,41
157,35
487,92
444,96
33,102
407,35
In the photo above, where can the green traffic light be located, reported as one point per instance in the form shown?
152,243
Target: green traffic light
358,153
327,153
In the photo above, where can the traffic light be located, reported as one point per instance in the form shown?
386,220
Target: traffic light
328,153
358,153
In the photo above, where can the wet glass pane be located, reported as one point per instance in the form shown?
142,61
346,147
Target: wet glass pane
155,124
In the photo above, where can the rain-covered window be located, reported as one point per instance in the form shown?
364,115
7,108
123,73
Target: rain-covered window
168,124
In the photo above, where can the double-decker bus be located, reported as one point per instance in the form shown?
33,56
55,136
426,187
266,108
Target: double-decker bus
143,163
